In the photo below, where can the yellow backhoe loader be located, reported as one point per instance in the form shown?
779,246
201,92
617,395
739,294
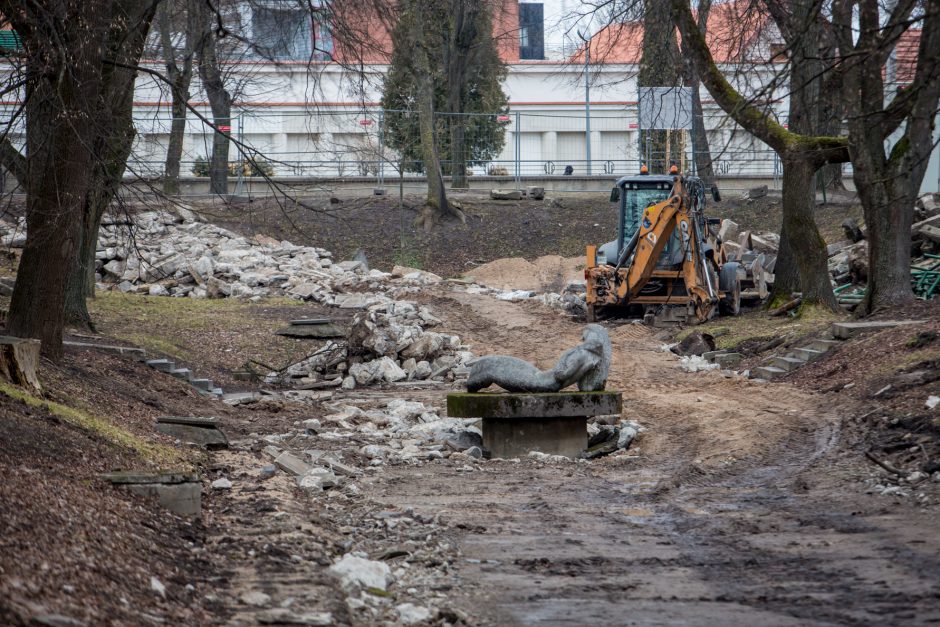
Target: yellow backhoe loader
664,265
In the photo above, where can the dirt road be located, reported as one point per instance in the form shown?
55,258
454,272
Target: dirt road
740,505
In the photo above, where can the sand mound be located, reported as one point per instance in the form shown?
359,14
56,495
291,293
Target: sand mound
546,274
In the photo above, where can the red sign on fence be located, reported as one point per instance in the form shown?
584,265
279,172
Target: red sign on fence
224,128
365,122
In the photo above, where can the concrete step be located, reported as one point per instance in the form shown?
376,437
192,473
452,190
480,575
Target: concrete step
788,363
202,384
823,345
808,354
846,330
163,365
217,392
768,372
181,373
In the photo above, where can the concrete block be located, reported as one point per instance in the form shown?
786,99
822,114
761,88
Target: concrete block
728,360
728,231
516,437
506,194
846,330
180,492
710,356
535,193
788,363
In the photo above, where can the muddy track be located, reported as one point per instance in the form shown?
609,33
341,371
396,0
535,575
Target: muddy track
738,506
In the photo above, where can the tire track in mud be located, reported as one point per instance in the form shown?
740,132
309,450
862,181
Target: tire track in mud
734,508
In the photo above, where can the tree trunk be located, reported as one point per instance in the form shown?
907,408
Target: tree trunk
701,151
220,101
174,150
437,207
786,272
113,143
180,76
458,153
660,66
805,243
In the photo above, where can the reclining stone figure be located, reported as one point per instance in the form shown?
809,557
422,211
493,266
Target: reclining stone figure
586,364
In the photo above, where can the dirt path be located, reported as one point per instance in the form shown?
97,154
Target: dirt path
736,507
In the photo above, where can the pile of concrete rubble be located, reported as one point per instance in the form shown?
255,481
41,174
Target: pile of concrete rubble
388,342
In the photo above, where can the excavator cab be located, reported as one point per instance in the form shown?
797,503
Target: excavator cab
633,194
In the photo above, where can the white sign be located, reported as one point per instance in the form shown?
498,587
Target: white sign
665,108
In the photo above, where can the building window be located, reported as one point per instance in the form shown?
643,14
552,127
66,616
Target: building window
531,31
287,33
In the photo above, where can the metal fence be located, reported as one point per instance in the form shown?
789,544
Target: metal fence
379,145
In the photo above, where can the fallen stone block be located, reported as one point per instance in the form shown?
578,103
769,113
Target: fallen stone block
291,464
757,192
506,194
728,231
535,193
203,432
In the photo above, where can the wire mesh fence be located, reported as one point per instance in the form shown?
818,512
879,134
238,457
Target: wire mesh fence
379,145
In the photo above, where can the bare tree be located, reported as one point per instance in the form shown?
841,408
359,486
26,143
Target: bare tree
220,99
178,60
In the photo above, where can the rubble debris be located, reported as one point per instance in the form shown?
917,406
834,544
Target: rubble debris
696,343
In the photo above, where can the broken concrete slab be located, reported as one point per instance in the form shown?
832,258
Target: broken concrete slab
846,330
179,492
310,321
206,434
311,331
291,464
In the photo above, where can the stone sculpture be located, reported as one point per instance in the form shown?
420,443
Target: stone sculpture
586,364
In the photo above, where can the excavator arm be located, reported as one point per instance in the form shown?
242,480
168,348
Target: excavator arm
656,228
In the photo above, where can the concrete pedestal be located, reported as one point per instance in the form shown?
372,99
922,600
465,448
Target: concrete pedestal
514,424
